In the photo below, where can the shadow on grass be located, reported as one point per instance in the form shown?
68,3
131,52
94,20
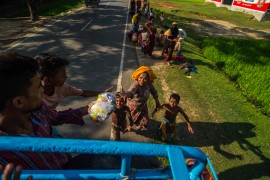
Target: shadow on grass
206,135
217,135
249,171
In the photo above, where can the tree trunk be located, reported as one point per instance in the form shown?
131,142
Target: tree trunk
33,10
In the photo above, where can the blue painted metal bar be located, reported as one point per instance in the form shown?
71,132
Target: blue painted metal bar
212,168
30,144
125,166
177,163
176,155
94,174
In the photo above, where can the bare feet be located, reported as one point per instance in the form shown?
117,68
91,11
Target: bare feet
169,64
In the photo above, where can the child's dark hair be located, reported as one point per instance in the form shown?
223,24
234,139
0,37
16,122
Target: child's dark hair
151,18
49,64
175,96
16,72
118,96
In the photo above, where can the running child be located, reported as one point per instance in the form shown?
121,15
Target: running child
167,126
119,118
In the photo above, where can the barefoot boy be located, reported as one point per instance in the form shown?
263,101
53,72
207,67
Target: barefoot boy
119,118
167,126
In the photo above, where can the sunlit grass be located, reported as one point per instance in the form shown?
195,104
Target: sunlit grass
190,10
247,62
228,127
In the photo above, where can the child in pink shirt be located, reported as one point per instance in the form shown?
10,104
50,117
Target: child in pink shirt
53,76
52,72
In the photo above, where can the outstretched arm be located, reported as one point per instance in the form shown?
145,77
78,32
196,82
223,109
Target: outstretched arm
129,121
91,93
156,110
190,129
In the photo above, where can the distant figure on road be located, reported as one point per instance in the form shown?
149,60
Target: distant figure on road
121,118
161,18
132,8
171,108
139,5
135,24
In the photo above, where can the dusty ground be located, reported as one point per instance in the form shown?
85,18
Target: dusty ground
221,28
226,29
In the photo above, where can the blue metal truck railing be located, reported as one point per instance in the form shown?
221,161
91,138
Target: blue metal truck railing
176,155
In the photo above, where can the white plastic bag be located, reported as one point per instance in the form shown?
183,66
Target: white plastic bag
101,109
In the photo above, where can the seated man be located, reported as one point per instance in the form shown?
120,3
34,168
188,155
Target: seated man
22,113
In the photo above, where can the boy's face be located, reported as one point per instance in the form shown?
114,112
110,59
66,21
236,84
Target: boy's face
120,103
34,93
59,77
173,102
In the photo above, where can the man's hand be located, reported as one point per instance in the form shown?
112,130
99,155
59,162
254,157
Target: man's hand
190,129
10,170
128,128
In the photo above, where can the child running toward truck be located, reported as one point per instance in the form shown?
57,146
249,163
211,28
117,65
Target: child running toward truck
167,126
121,118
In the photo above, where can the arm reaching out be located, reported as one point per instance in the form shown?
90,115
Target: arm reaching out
156,110
129,121
190,129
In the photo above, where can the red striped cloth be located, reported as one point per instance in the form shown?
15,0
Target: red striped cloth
42,121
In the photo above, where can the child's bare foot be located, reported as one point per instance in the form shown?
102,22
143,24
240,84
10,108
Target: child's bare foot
169,64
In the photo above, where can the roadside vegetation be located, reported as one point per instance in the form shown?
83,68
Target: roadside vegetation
246,62
51,8
199,10
227,100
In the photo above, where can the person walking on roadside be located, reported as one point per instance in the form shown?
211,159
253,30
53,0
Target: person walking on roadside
170,41
139,5
135,21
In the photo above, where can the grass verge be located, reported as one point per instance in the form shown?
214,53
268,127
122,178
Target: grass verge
245,61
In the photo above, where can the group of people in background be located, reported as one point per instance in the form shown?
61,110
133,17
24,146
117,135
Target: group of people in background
149,36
